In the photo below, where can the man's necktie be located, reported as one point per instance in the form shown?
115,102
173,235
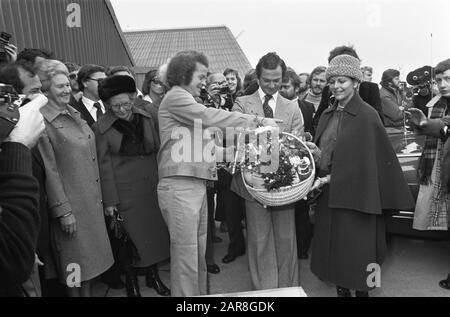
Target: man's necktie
268,112
99,110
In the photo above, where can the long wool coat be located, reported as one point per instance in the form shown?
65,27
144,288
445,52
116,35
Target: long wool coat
73,184
129,182
366,178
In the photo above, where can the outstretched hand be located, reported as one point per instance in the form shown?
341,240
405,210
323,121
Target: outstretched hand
416,116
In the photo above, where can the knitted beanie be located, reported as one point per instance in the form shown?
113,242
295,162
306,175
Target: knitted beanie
344,65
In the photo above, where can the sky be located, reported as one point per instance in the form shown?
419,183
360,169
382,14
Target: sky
400,34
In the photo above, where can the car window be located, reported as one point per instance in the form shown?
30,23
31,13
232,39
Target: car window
405,143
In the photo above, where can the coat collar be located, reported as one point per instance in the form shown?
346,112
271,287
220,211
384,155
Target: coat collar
107,120
255,99
353,107
51,113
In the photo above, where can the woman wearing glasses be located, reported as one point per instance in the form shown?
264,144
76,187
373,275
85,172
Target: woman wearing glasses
127,143
78,232
153,88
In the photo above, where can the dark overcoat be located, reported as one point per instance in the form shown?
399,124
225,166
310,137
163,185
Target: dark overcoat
366,178
129,182
369,92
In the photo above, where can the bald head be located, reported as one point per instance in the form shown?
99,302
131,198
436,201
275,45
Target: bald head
216,78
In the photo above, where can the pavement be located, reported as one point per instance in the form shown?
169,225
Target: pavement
412,268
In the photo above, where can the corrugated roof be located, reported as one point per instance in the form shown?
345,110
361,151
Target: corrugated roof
152,48
47,24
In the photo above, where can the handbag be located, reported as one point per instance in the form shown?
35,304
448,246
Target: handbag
128,252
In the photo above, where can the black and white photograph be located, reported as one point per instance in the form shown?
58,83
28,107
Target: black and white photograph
234,150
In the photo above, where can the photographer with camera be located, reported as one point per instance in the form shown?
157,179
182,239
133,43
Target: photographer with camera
19,218
214,95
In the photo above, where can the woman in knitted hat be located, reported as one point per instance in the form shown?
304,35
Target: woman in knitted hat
127,143
359,176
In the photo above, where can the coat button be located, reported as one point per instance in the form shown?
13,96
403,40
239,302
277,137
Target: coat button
93,158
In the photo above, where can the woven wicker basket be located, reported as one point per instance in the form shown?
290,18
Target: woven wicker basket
284,195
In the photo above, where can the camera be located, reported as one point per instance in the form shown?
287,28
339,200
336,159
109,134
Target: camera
224,90
9,110
4,40
420,79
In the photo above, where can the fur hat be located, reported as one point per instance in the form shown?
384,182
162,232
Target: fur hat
344,65
115,85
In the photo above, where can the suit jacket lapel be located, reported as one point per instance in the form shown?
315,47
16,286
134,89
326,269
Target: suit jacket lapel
84,113
256,107
279,108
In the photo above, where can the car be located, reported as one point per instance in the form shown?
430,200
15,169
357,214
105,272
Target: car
408,147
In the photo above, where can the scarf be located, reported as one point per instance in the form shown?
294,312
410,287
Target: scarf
428,157
134,140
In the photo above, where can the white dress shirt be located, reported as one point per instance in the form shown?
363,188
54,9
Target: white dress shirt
89,104
272,101
147,98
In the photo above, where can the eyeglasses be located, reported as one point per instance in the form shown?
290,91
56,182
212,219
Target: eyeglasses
157,81
72,76
98,80
125,105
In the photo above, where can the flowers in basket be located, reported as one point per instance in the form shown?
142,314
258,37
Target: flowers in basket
293,161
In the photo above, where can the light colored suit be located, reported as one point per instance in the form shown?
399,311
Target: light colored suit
271,238
182,185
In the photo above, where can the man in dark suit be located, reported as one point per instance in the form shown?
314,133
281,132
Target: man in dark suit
90,106
303,227
368,91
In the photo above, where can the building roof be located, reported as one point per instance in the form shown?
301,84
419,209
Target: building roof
82,31
153,48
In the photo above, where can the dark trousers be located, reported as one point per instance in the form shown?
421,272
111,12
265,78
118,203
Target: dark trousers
234,213
303,226
211,228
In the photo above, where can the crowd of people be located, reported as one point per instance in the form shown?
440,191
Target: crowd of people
104,194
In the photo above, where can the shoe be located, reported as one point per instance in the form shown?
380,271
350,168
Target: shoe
131,283
230,257
213,268
361,294
217,239
223,226
343,292
303,256
152,280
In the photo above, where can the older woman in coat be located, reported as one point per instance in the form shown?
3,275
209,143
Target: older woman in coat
78,230
360,176
127,143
